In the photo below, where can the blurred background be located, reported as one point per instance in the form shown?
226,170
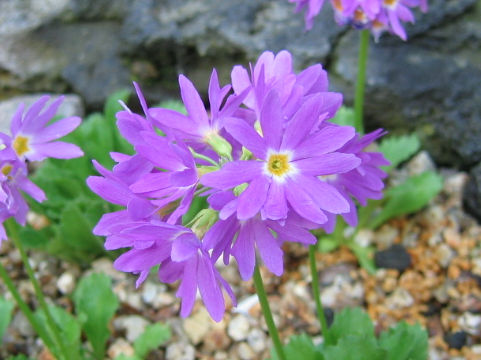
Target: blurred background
90,48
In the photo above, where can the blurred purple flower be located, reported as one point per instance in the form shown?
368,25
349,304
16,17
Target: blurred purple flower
376,15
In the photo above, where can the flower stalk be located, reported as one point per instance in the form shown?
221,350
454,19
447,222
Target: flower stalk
13,235
317,296
266,311
25,308
361,81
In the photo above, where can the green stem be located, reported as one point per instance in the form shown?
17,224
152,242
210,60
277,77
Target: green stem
13,235
203,157
317,296
25,308
361,81
266,310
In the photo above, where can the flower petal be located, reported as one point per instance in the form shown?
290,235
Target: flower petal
247,136
327,164
252,199
233,174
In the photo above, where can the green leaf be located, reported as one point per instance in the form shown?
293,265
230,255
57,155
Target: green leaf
19,357
364,255
408,197
75,230
299,347
344,116
399,148
351,321
199,203
127,357
34,239
355,347
112,105
95,300
327,244
6,308
153,336
405,342
174,105
68,326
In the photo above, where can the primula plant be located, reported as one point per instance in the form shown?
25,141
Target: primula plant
267,159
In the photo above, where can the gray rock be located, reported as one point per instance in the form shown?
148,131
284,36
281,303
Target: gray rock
472,192
71,106
96,10
20,16
85,57
428,84
198,34
395,257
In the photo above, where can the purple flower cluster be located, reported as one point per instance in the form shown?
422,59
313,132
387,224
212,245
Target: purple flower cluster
265,156
377,15
31,139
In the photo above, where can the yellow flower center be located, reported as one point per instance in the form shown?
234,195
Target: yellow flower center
338,5
20,145
360,16
278,164
390,3
6,169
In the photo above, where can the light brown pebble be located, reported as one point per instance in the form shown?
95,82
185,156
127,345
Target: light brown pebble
120,346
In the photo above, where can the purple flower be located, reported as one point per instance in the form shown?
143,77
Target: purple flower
181,256
376,15
312,9
253,234
362,183
291,171
288,163
33,139
13,179
198,128
275,72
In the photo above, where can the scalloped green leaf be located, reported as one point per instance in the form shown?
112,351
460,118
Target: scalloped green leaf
153,336
399,148
405,342
6,308
410,196
351,321
299,347
97,303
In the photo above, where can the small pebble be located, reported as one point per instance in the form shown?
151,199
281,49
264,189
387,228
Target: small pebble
245,352
21,324
470,323
180,351
456,340
238,328
66,283
120,347
197,325
395,257
364,237
420,163
134,326
444,255
400,298
257,340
